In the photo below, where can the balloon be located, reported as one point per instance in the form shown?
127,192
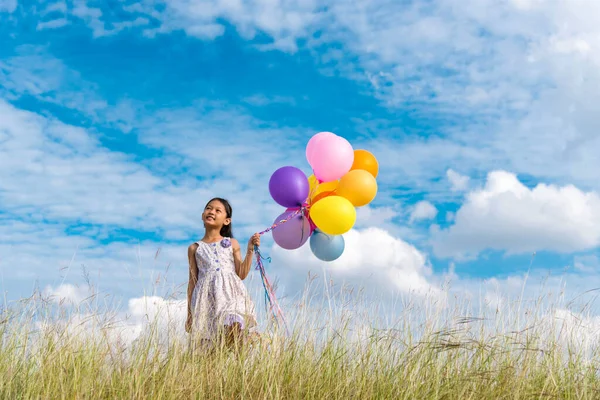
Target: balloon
310,221
327,247
367,161
288,186
312,183
331,158
313,227
323,188
321,196
313,143
358,186
333,215
293,233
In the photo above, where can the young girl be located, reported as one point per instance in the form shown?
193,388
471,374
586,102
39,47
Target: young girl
218,303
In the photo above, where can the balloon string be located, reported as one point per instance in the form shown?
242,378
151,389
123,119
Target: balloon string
297,211
270,297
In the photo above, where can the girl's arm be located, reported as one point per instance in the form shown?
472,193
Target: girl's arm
192,279
242,266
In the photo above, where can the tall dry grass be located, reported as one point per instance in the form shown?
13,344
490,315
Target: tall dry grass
338,349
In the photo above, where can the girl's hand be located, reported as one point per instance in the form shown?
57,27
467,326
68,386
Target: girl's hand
254,241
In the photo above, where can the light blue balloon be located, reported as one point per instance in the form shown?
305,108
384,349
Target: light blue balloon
326,247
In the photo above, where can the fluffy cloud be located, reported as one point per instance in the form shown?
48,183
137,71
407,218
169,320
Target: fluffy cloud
423,210
577,330
523,92
71,177
45,254
371,256
507,215
145,316
66,293
458,182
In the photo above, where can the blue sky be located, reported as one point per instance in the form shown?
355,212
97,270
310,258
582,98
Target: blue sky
118,121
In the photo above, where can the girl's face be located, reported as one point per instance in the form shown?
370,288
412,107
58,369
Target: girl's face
214,215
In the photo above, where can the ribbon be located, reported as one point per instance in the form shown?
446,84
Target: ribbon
295,212
270,298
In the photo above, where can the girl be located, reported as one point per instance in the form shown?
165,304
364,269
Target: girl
218,303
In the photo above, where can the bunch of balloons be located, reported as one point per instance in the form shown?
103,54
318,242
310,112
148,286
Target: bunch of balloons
322,206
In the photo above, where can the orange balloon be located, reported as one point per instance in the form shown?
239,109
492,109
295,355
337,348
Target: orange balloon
321,196
358,186
324,187
366,161
319,190
317,187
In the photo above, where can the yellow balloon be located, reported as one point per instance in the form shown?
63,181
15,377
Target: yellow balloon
312,181
334,215
358,186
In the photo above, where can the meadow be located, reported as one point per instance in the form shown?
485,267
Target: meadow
339,347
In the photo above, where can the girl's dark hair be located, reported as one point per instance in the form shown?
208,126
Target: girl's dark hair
226,230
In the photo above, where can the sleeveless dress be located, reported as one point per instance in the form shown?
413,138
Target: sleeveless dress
219,297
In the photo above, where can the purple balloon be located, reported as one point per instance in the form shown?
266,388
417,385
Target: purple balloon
289,186
293,233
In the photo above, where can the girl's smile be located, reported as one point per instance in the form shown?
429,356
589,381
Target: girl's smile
215,214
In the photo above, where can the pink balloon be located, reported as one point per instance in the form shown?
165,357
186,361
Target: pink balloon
332,158
314,143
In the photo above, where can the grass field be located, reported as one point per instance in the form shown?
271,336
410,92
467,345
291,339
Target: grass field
54,351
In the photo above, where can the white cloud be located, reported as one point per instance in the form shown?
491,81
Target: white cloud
260,100
92,17
72,178
55,7
33,72
507,215
423,210
44,254
459,182
168,316
66,292
172,131
52,24
371,253
8,5
284,22
586,263
407,41
523,90
144,317
577,330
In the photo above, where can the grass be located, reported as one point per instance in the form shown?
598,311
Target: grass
52,351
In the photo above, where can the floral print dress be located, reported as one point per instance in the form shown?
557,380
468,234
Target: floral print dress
219,297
